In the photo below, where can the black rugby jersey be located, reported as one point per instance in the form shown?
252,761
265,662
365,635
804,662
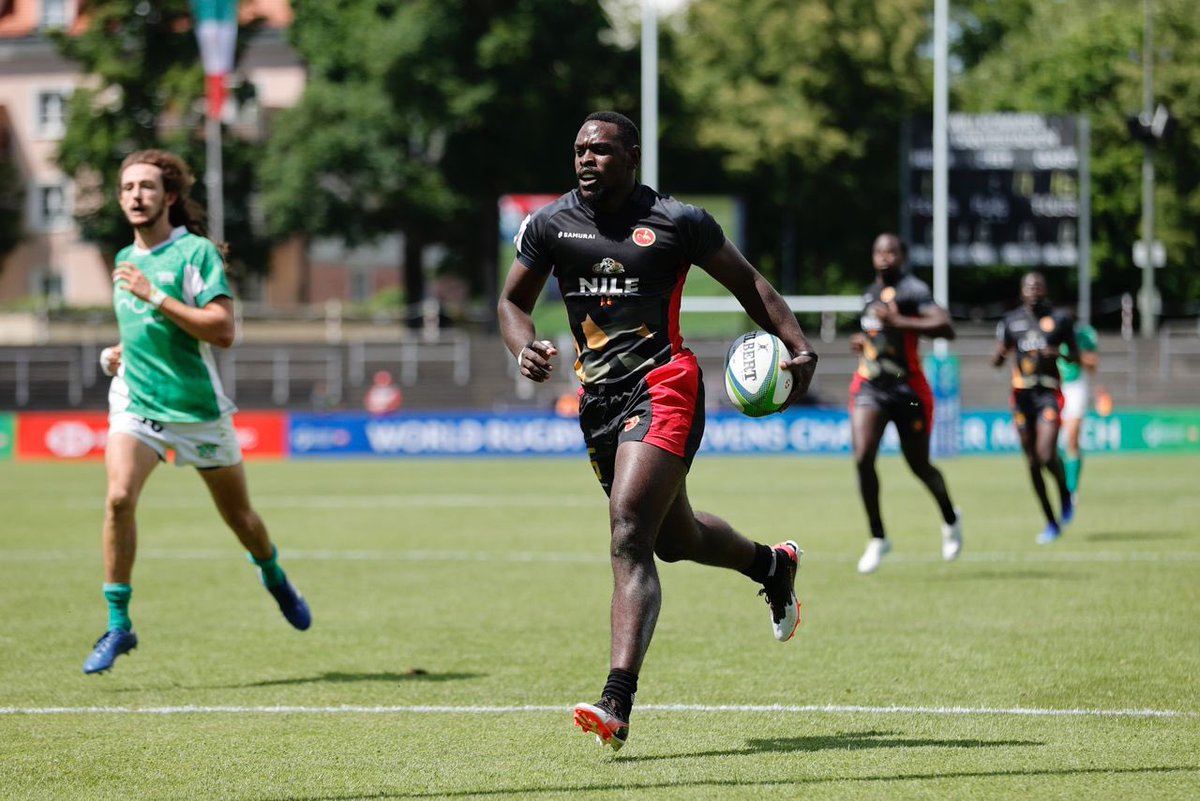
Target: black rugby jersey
621,275
890,354
1036,339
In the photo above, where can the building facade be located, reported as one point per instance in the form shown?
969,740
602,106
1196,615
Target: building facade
53,264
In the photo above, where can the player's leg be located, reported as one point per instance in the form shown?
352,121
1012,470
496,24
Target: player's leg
128,462
1075,396
709,540
1028,436
914,444
644,482
867,424
230,492
1047,452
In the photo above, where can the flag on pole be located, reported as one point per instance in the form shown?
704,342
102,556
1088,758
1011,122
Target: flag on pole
216,33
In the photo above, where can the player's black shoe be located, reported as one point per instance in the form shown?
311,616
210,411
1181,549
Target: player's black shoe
780,591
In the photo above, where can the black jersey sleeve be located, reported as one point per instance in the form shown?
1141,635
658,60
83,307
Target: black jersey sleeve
532,248
914,296
699,234
1002,333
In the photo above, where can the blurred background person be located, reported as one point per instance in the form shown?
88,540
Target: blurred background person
1077,395
384,397
1036,335
890,387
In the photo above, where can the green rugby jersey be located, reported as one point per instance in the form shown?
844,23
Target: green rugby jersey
1089,342
167,374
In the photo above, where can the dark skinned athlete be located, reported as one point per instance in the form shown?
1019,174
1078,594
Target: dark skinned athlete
620,252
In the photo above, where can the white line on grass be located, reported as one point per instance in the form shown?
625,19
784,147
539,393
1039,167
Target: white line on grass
827,709
1041,556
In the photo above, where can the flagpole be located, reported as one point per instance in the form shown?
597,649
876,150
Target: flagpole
213,179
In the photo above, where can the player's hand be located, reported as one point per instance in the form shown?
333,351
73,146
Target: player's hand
534,360
127,276
110,359
801,366
885,313
857,342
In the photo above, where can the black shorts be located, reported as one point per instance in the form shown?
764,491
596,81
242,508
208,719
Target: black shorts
665,408
1036,404
908,404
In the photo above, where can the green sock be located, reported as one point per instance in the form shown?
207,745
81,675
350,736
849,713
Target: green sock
272,574
1073,466
118,596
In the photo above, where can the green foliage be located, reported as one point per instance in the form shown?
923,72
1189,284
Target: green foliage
803,102
419,114
147,93
1083,56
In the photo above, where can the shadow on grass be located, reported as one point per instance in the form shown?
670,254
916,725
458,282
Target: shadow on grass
848,741
732,784
1018,574
337,677
1134,536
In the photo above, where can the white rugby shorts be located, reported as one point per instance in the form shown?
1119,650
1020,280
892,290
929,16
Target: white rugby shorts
1075,398
212,443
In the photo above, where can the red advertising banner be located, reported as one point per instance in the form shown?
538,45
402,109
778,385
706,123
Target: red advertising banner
82,435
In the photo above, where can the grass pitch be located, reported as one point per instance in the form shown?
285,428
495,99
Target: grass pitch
461,607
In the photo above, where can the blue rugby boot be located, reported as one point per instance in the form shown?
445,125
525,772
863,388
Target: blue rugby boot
292,604
111,644
1051,533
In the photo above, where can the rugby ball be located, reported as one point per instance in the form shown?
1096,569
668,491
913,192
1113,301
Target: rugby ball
754,381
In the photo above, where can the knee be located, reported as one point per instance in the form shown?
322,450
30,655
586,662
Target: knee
120,502
630,542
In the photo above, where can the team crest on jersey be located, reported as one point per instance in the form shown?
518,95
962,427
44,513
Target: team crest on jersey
888,294
1046,324
632,422
608,266
643,237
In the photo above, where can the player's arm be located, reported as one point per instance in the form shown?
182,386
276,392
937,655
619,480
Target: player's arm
1003,345
767,308
213,322
515,315
857,342
932,320
1070,345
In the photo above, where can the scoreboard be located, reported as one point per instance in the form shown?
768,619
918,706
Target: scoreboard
1014,190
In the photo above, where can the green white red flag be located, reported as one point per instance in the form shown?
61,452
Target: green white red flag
216,33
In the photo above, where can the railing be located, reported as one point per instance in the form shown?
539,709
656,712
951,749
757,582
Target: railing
245,369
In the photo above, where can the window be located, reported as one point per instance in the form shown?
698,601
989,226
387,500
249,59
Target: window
56,14
52,211
52,113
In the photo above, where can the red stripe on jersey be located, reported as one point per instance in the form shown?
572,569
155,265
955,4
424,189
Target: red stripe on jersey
911,355
673,332
674,389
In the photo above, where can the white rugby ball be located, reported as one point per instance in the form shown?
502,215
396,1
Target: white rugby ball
754,381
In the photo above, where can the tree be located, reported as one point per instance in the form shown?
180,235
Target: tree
1074,56
145,92
418,114
803,102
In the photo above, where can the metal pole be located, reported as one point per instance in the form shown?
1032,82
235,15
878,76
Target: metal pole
1146,298
650,93
1085,219
213,179
941,239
